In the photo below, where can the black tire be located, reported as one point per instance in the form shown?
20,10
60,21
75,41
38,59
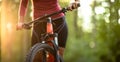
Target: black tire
39,48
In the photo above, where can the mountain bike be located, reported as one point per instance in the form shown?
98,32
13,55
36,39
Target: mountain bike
49,47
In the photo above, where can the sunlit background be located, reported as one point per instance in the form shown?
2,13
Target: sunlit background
94,32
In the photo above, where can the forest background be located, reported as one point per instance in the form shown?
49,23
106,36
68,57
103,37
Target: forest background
94,32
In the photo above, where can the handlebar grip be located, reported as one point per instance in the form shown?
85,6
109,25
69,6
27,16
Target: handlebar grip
27,26
78,5
68,8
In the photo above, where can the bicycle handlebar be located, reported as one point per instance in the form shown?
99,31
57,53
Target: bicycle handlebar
27,25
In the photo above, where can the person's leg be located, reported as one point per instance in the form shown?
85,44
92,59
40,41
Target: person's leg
61,28
38,29
62,38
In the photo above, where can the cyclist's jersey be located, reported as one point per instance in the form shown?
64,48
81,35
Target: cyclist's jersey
41,7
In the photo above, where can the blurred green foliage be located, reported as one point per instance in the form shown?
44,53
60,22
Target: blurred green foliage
102,44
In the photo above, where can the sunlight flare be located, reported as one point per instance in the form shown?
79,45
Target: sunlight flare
86,12
9,26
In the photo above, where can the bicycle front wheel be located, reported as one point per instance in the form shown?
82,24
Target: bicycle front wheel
41,53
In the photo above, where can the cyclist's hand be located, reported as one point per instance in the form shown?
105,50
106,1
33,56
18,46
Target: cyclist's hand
73,5
19,26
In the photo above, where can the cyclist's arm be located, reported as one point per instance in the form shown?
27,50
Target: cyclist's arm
22,8
21,13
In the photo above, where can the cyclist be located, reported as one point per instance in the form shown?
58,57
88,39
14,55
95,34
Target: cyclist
40,8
